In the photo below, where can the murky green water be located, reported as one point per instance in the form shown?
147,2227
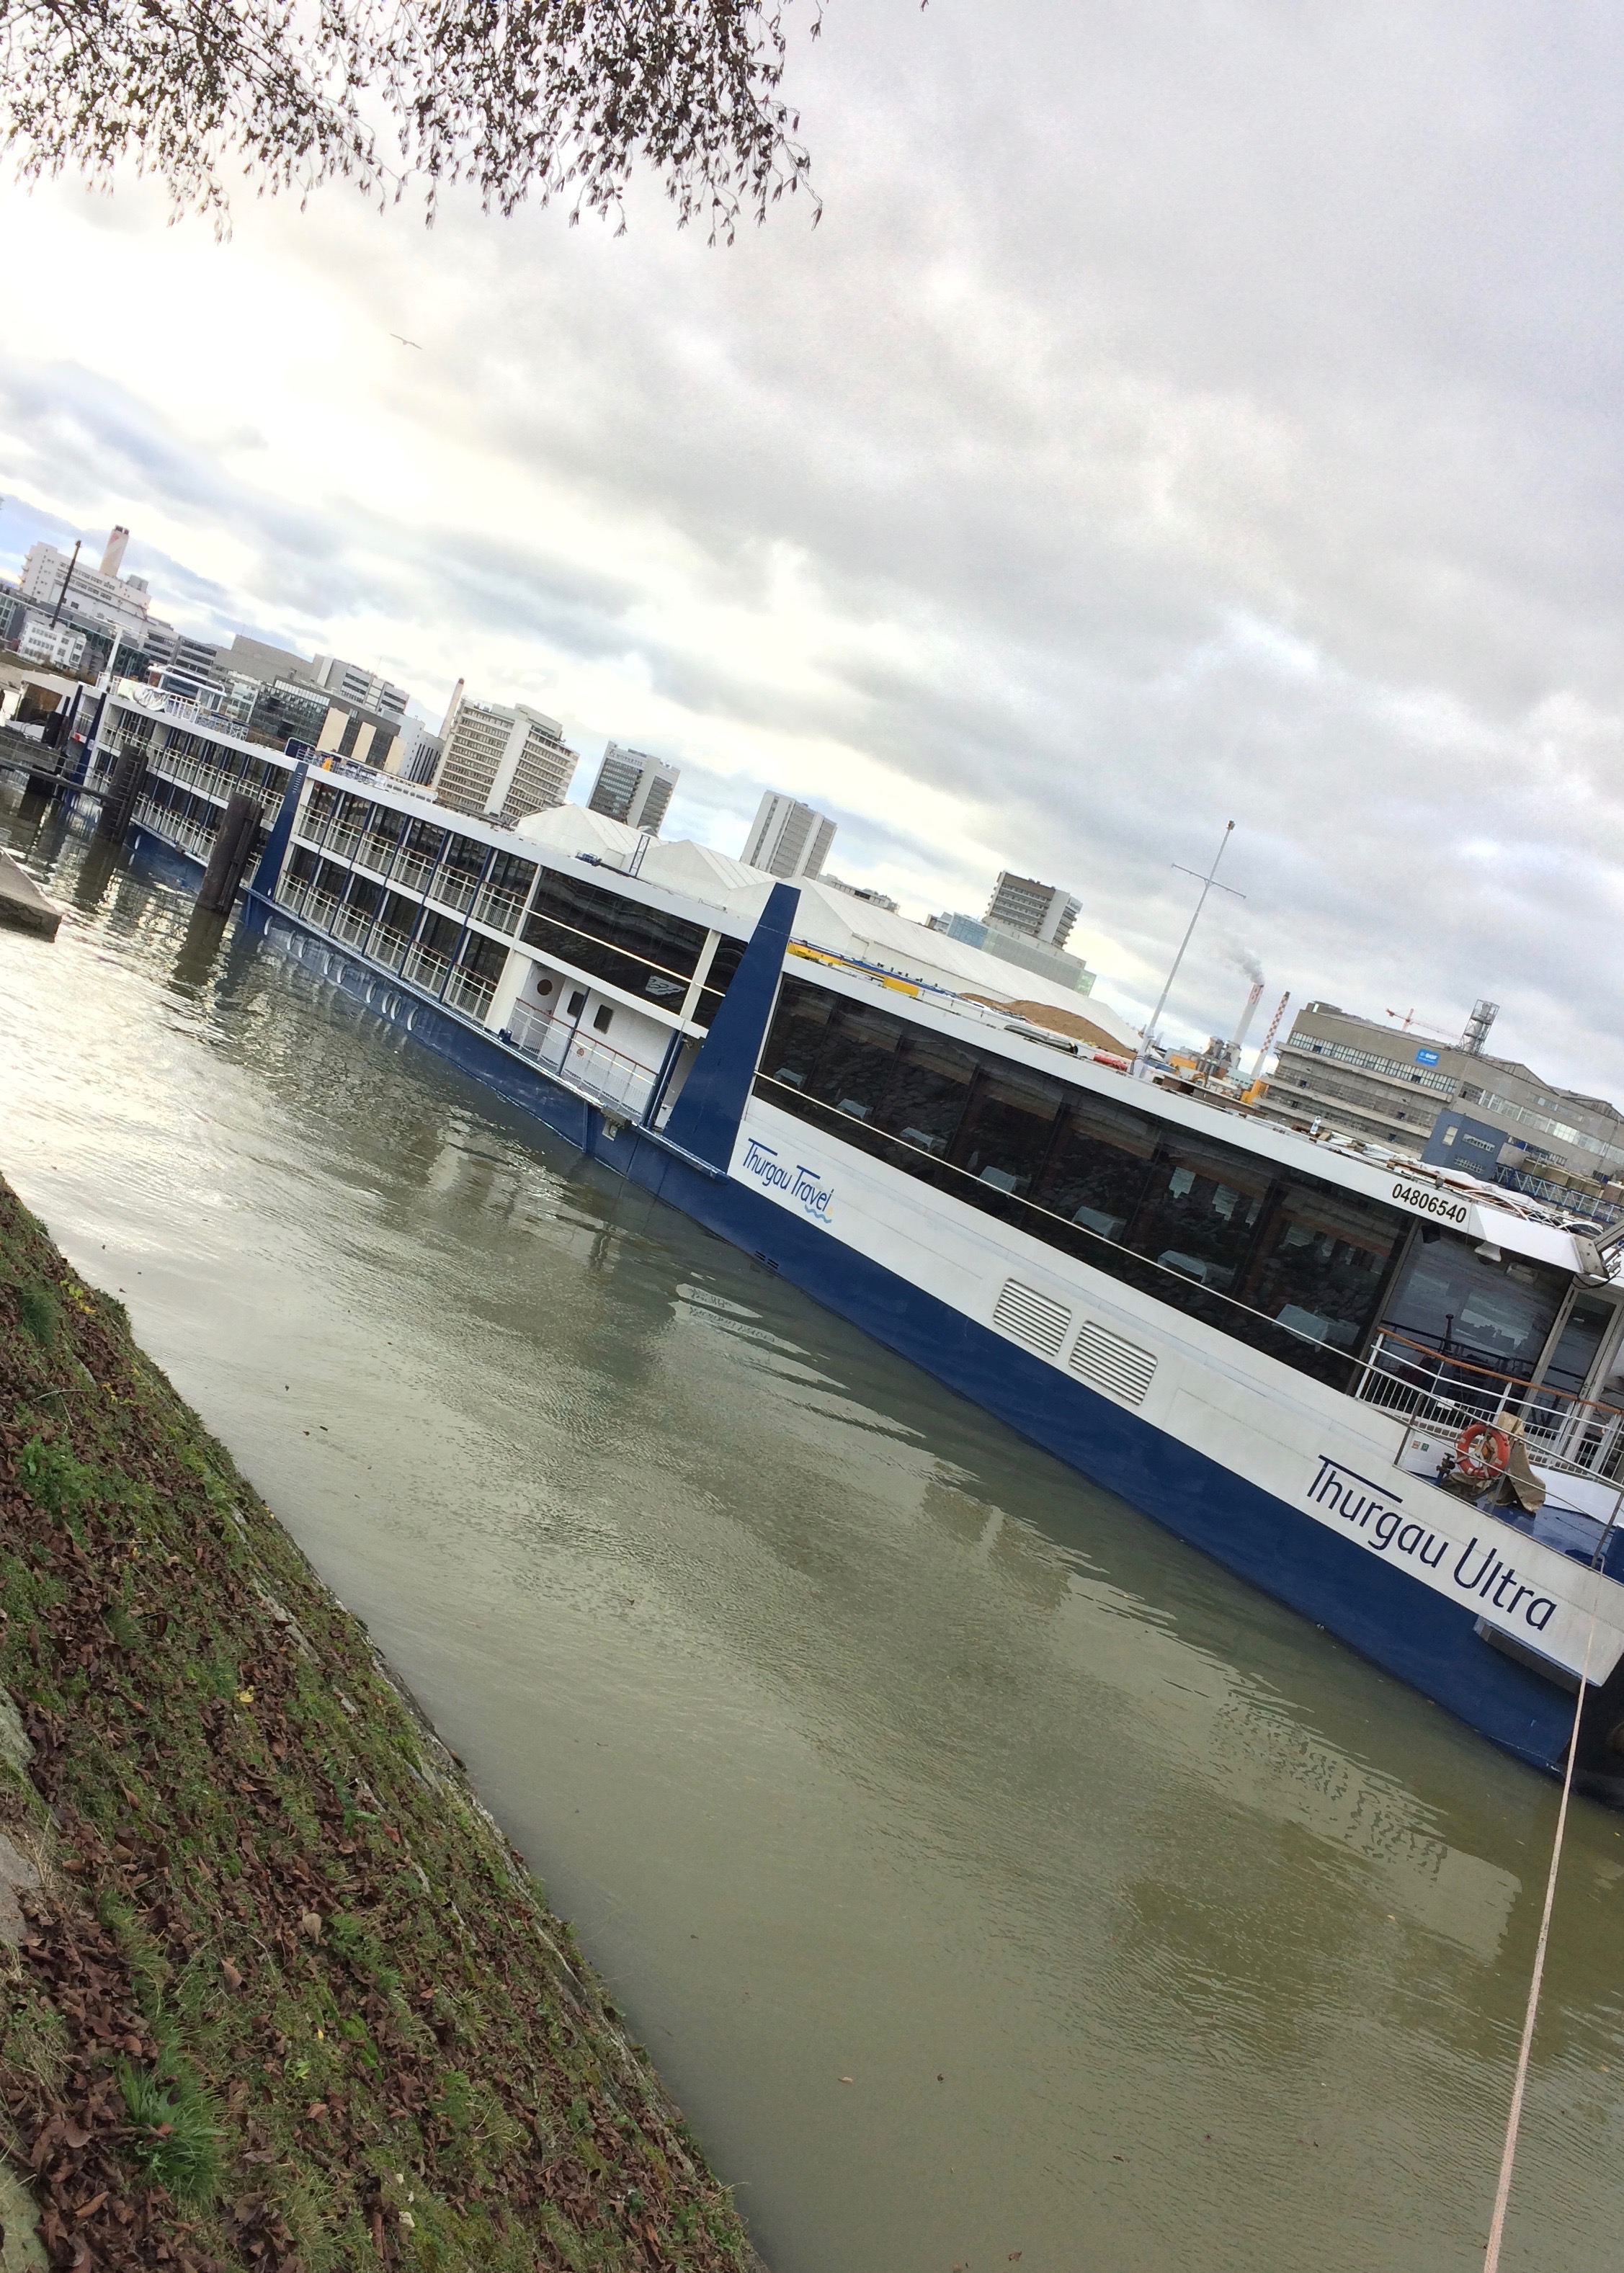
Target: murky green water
1152,1929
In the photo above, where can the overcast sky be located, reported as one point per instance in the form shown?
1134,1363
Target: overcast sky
1181,414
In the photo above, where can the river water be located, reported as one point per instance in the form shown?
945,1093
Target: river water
986,1871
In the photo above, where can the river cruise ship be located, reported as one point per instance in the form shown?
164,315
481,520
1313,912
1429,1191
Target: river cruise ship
1390,1397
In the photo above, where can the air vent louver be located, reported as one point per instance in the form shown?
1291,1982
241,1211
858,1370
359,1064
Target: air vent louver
1032,1318
1105,1360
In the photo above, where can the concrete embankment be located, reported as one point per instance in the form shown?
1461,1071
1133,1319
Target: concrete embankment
277,1994
23,905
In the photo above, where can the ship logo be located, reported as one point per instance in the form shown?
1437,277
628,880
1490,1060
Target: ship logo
802,1186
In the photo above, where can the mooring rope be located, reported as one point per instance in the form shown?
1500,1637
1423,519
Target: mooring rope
1502,2192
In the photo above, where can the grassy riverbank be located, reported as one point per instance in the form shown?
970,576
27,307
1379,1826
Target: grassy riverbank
277,1992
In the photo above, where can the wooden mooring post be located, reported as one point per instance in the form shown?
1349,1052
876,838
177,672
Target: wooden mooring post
234,848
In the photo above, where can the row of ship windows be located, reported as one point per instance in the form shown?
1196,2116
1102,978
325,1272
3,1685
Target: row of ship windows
644,951
1283,1262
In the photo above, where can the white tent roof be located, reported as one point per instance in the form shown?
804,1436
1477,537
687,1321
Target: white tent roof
835,921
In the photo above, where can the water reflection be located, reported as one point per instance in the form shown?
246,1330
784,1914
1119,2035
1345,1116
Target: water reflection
859,1738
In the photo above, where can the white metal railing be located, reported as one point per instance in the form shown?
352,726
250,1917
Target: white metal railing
455,892
340,842
466,991
500,910
413,873
389,948
352,926
426,969
189,835
376,853
585,1059
1562,1430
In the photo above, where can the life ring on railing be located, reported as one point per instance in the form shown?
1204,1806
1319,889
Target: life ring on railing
1483,1452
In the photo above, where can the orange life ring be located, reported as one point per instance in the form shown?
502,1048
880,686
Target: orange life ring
1483,1451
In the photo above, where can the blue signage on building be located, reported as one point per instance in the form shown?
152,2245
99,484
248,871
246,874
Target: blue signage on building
1426,1057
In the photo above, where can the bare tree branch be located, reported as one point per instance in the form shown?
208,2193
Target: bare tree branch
549,99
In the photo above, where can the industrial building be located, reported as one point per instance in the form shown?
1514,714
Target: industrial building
1388,1081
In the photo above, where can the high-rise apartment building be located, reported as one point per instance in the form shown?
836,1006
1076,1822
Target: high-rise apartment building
1040,911
501,760
788,839
633,787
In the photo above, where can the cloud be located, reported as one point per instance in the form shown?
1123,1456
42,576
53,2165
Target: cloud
1179,416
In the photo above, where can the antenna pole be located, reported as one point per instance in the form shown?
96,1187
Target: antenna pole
1207,883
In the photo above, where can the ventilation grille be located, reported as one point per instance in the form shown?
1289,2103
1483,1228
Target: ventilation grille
1032,1318
1105,1360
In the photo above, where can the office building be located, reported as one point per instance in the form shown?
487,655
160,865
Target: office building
42,642
416,754
502,761
356,689
858,892
788,839
1031,910
1388,1082
1027,952
633,787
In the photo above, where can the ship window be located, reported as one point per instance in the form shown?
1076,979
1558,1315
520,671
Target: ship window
1320,1264
854,1063
1005,1135
1201,1210
482,957
1452,1300
1097,1170
603,1016
799,1027
929,1088
1292,1267
724,964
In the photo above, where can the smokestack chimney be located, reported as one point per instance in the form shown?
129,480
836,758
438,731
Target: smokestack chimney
1253,1000
113,559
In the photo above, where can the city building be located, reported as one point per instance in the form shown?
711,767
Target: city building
1388,1081
633,787
858,892
53,581
788,839
417,754
501,760
1035,910
42,642
358,690
1029,952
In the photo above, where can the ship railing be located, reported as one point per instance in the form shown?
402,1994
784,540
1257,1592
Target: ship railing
466,991
612,1077
376,853
455,892
412,873
389,948
425,969
341,843
352,926
499,909
1562,1429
